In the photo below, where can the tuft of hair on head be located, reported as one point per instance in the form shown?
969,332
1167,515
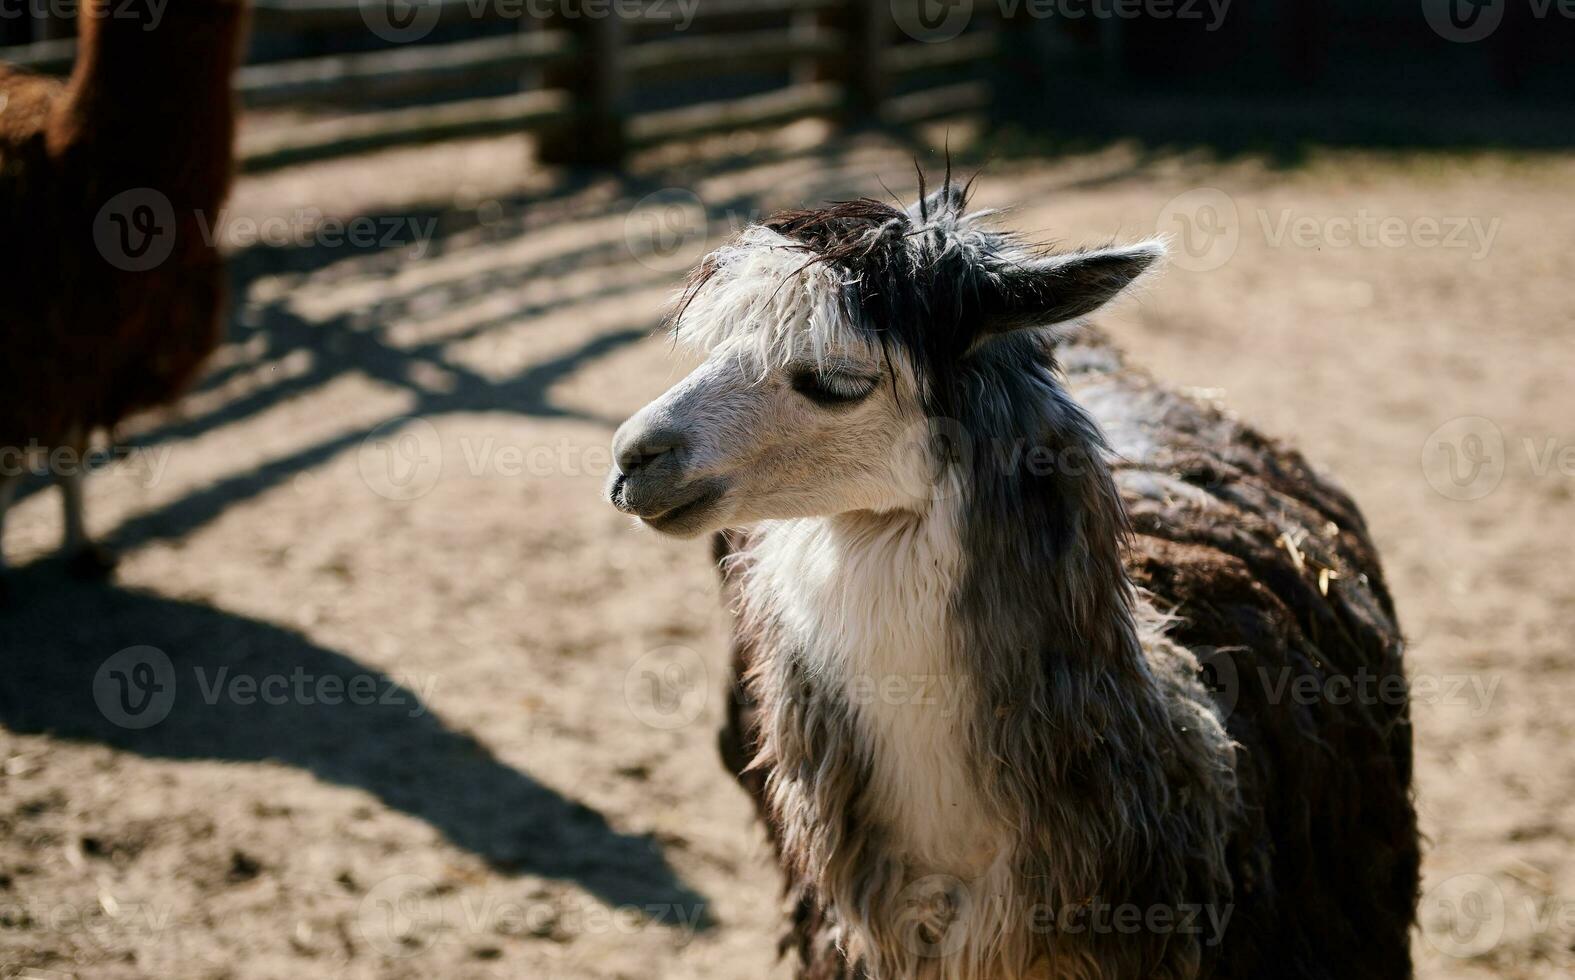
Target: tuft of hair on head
930,278
946,205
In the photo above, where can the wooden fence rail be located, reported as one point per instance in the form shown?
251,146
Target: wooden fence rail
575,76
415,69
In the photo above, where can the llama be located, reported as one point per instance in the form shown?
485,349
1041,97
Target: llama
1016,629
88,334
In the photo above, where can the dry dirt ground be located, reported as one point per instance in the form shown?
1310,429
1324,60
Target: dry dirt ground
418,703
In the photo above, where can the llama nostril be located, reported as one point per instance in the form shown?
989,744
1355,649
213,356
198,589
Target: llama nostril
641,453
645,456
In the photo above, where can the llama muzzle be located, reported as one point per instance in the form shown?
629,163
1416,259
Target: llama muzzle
649,481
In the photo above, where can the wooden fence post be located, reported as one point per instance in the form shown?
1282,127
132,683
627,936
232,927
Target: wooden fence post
859,70
802,24
594,134
869,31
1022,76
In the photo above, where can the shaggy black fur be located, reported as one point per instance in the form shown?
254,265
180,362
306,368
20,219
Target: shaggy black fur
1321,854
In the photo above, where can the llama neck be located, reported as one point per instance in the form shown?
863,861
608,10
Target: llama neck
865,601
154,96
860,582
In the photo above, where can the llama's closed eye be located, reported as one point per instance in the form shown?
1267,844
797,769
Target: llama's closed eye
831,387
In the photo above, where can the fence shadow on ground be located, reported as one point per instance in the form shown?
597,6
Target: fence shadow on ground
388,743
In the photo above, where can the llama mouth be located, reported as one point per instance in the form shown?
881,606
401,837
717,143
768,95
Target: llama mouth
672,520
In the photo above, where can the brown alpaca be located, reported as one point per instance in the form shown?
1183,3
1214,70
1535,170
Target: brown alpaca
110,184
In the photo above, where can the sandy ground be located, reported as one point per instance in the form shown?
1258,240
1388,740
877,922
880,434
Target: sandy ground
386,690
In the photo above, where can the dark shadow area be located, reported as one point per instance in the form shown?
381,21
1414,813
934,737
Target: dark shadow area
1282,130
1275,80
377,736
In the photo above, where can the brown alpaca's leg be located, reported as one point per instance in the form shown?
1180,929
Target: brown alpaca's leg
84,558
8,484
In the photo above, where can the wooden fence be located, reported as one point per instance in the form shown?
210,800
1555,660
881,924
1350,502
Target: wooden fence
581,82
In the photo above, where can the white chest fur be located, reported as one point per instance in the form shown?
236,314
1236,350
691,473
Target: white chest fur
867,598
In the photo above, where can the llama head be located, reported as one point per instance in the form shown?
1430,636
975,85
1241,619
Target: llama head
846,346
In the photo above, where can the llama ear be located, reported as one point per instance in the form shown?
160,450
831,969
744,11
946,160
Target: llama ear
1056,288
